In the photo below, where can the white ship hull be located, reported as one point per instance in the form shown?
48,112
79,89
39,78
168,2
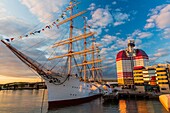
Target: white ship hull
71,92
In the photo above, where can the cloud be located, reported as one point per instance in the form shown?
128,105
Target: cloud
120,18
100,18
114,47
114,2
103,51
166,33
139,34
43,11
159,18
92,6
153,59
117,9
138,41
144,34
14,26
121,43
108,39
11,26
162,19
8,61
3,11
161,53
118,23
106,30
149,25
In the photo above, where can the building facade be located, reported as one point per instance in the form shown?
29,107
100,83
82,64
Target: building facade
152,78
126,60
162,78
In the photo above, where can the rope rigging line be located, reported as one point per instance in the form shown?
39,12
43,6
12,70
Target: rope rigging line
81,71
89,70
65,78
65,66
52,54
56,64
76,66
40,23
33,46
38,44
31,28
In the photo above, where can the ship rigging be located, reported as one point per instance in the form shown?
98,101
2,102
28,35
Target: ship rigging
76,76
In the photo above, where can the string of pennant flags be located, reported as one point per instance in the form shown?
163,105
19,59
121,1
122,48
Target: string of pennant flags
54,24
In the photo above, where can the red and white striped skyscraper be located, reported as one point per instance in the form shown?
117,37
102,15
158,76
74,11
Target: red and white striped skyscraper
126,60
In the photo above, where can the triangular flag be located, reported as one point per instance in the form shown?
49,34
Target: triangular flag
53,23
57,26
37,31
57,20
12,39
7,40
47,27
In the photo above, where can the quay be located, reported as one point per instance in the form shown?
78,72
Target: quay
130,94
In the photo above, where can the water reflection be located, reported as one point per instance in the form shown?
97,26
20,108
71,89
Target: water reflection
29,101
21,101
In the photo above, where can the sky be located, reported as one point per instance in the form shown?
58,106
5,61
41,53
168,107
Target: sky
115,21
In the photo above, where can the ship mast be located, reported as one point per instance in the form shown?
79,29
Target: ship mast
85,43
93,66
70,41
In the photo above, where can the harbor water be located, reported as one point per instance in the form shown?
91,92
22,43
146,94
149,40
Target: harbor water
30,101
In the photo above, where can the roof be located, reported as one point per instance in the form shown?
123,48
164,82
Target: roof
138,67
122,55
140,54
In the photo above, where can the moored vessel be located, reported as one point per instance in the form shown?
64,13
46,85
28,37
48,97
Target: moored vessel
79,79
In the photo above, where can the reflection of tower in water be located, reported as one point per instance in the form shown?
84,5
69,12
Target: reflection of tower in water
127,106
142,107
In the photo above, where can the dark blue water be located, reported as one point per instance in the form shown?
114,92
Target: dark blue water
29,101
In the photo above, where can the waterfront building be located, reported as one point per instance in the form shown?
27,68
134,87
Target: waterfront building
149,74
138,75
162,78
167,66
126,60
151,78
138,78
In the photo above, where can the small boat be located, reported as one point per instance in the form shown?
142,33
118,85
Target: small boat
165,100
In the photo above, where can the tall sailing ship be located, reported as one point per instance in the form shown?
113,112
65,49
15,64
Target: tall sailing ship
70,87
